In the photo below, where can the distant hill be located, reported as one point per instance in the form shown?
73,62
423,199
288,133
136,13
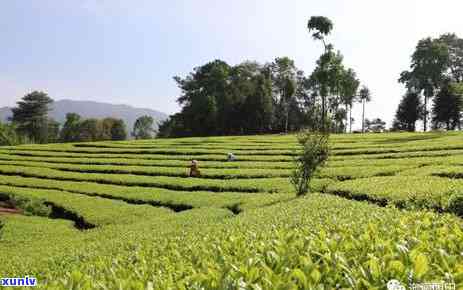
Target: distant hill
90,109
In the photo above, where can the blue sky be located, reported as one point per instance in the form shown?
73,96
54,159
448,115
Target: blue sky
128,51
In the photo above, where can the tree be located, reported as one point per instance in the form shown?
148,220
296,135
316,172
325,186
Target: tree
143,128
90,130
8,135
174,126
339,116
447,108
327,76
118,130
53,131
408,112
205,99
313,154
364,97
71,128
326,80
429,63
375,125
284,79
349,88
454,46
249,98
259,106
320,27
31,116
243,98
307,99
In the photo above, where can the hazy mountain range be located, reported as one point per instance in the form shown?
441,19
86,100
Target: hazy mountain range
90,109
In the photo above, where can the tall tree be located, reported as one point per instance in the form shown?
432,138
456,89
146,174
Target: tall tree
204,98
429,63
8,135
53,130
71,128
364,97
107,125
447,108
259,106
408,112
349,87
143,128
31,116
240,94
307,98
321,27
284,79
339,117
118,130
91,130
454,46
325,82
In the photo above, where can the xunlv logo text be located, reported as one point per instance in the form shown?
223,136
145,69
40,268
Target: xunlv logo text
18,282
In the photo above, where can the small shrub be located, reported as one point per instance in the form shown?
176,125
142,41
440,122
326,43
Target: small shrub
32,206
313,154
456,204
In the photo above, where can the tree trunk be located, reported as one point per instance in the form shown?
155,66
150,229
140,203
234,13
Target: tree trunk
323,114
347,116
350,119
363,117
425,121
286,119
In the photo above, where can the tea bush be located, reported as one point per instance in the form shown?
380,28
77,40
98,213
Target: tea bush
387,207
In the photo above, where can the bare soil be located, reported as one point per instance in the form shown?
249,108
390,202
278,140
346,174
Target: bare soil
6,208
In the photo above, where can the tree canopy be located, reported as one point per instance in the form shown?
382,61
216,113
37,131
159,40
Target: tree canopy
31,116
408,112
250,98
436,64
143,128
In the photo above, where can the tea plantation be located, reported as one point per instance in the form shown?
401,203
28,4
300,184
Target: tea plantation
125,215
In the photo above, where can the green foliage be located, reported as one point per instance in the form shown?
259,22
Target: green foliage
320,25
34,206
364,97
250,98
31,116
77,130
349,88
456,204
375,125
313,154
239,224
408,112
143,128
9,136
333,243
435,63
447,107
118,130
71,128
53,131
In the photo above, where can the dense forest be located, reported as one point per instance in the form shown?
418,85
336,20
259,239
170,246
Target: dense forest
436,72
249,98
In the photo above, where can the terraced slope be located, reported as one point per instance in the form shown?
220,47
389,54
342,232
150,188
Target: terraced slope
126,214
